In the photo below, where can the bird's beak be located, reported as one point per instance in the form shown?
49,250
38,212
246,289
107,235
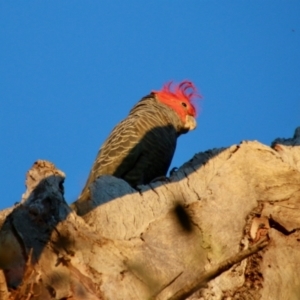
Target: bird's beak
190,123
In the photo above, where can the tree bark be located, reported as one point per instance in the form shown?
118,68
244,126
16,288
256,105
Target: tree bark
185,237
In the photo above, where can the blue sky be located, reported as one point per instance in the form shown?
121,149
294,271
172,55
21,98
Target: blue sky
71,70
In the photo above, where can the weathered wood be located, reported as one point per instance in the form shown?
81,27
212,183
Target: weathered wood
132,244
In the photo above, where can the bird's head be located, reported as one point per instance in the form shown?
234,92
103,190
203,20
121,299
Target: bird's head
180,97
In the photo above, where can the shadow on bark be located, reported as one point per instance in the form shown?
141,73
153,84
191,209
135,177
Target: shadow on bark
31,224
28,228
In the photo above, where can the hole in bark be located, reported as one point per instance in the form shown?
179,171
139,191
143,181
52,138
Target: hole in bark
51,291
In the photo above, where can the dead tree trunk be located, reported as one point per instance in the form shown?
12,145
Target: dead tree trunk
167,240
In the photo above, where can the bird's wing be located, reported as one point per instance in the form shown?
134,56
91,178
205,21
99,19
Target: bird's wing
120,151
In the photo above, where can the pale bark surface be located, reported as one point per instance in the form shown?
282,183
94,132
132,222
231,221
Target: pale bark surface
155,242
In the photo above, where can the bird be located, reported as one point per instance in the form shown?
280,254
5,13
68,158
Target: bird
141,147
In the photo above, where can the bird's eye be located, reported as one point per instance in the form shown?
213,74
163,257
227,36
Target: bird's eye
183,104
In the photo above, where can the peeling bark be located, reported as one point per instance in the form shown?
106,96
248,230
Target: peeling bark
187,236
